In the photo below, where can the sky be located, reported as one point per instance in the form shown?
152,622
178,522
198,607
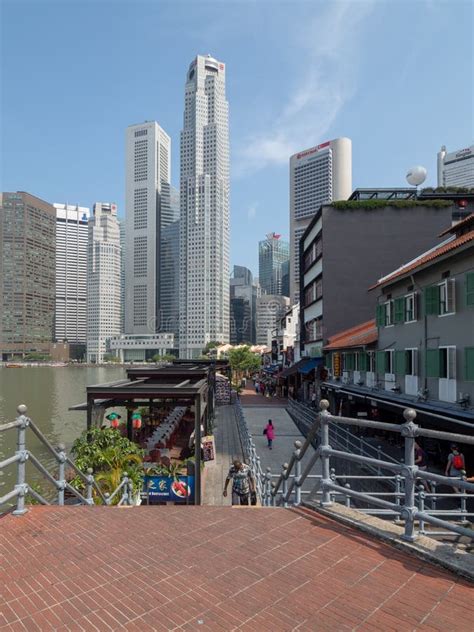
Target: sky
395,76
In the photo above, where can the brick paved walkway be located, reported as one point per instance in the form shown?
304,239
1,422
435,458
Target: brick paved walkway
249,397
214,568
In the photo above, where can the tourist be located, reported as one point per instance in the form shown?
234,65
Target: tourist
456,464
257,387
243,483
269,432
420,461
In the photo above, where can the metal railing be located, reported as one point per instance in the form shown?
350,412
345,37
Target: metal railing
406,474
262,479
22,489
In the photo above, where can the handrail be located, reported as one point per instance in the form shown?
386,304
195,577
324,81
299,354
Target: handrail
22,455
407,472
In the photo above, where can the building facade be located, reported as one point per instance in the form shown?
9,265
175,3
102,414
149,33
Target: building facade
318,175
273,255
243,307
103,281
419,351
270,309
122,275
140,348
342,248
70,319
27,274
169,262
148,170
205,212
456,169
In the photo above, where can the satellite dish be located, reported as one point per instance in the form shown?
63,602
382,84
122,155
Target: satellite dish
416,176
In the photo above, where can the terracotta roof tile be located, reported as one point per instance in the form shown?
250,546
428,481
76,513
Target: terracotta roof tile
357,336
444,248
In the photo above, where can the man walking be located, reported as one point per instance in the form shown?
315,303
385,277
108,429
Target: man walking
243,483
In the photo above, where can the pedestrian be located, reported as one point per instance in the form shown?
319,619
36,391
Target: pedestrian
420,461
257,387
243,483
269,432
313,399
456,464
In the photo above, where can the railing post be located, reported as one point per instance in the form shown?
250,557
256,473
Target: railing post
348,498
130,492
90,480
298,445
21,450
285,484
379,450
408,513
125,489
326,478
463,502
421,507
268,487
61,482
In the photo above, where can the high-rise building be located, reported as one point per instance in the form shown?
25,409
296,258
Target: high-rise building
318,175
148,169
27,274
243,307
273,253
103,281
169,262
270,309
456,169
205,213
70,319
122,275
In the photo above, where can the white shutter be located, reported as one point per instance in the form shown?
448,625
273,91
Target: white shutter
451,363
415,308
450,296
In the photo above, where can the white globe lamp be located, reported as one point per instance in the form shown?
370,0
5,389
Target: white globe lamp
416,176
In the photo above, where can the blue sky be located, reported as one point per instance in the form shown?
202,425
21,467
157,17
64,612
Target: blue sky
395,76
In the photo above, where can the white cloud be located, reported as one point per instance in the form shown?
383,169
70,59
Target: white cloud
328,59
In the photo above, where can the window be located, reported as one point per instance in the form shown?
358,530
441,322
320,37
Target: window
410,308
388,306
411,361
441,362
446,297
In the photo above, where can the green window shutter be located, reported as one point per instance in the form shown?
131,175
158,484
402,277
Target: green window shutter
380,316
328,361
400,362
380,361
432,300
399,311
469,364
363,361
433,362
470,289
349,364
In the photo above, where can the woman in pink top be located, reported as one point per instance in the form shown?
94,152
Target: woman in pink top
270,433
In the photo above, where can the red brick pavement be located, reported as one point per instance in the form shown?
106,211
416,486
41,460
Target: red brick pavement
249,397
214,569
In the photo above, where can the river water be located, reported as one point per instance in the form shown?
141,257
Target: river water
48,392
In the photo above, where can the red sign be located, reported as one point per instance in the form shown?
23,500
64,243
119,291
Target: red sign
313,150
221,66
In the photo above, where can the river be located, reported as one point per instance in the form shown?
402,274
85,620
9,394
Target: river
48,392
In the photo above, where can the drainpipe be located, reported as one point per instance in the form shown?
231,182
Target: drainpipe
425,329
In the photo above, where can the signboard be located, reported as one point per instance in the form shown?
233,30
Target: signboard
208,448
166,488
336,364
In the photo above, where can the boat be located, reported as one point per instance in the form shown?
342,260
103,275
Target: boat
10,365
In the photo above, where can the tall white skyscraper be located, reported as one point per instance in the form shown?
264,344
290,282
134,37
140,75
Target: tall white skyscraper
456,169
103,280
205,212
71,275
318,175
148,167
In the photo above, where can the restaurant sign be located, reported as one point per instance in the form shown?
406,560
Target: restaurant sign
167,488
336,364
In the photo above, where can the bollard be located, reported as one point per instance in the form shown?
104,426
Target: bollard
408,513
324,418
21,450
61,482
298,473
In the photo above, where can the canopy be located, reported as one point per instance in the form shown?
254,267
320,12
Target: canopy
310,365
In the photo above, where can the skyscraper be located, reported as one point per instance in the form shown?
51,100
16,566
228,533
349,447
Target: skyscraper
27,274
318,175
71,276
456,169
243,306
204,202
103,280
122,275
169,262
148,169
273,253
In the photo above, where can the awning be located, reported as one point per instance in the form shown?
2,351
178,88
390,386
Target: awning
310,365
295,368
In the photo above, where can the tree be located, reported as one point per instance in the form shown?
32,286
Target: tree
210,345
168,357
242,361
110,357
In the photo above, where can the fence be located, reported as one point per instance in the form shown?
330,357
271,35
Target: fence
22,489
406,473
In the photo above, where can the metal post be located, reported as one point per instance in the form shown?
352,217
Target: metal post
348,498
409,431
61,482
298,445
268,487
463,502
125,488
90,480
285,484
326,478
197,449
21,450
421,507
379,456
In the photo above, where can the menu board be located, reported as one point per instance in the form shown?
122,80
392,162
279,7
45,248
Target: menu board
208,448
